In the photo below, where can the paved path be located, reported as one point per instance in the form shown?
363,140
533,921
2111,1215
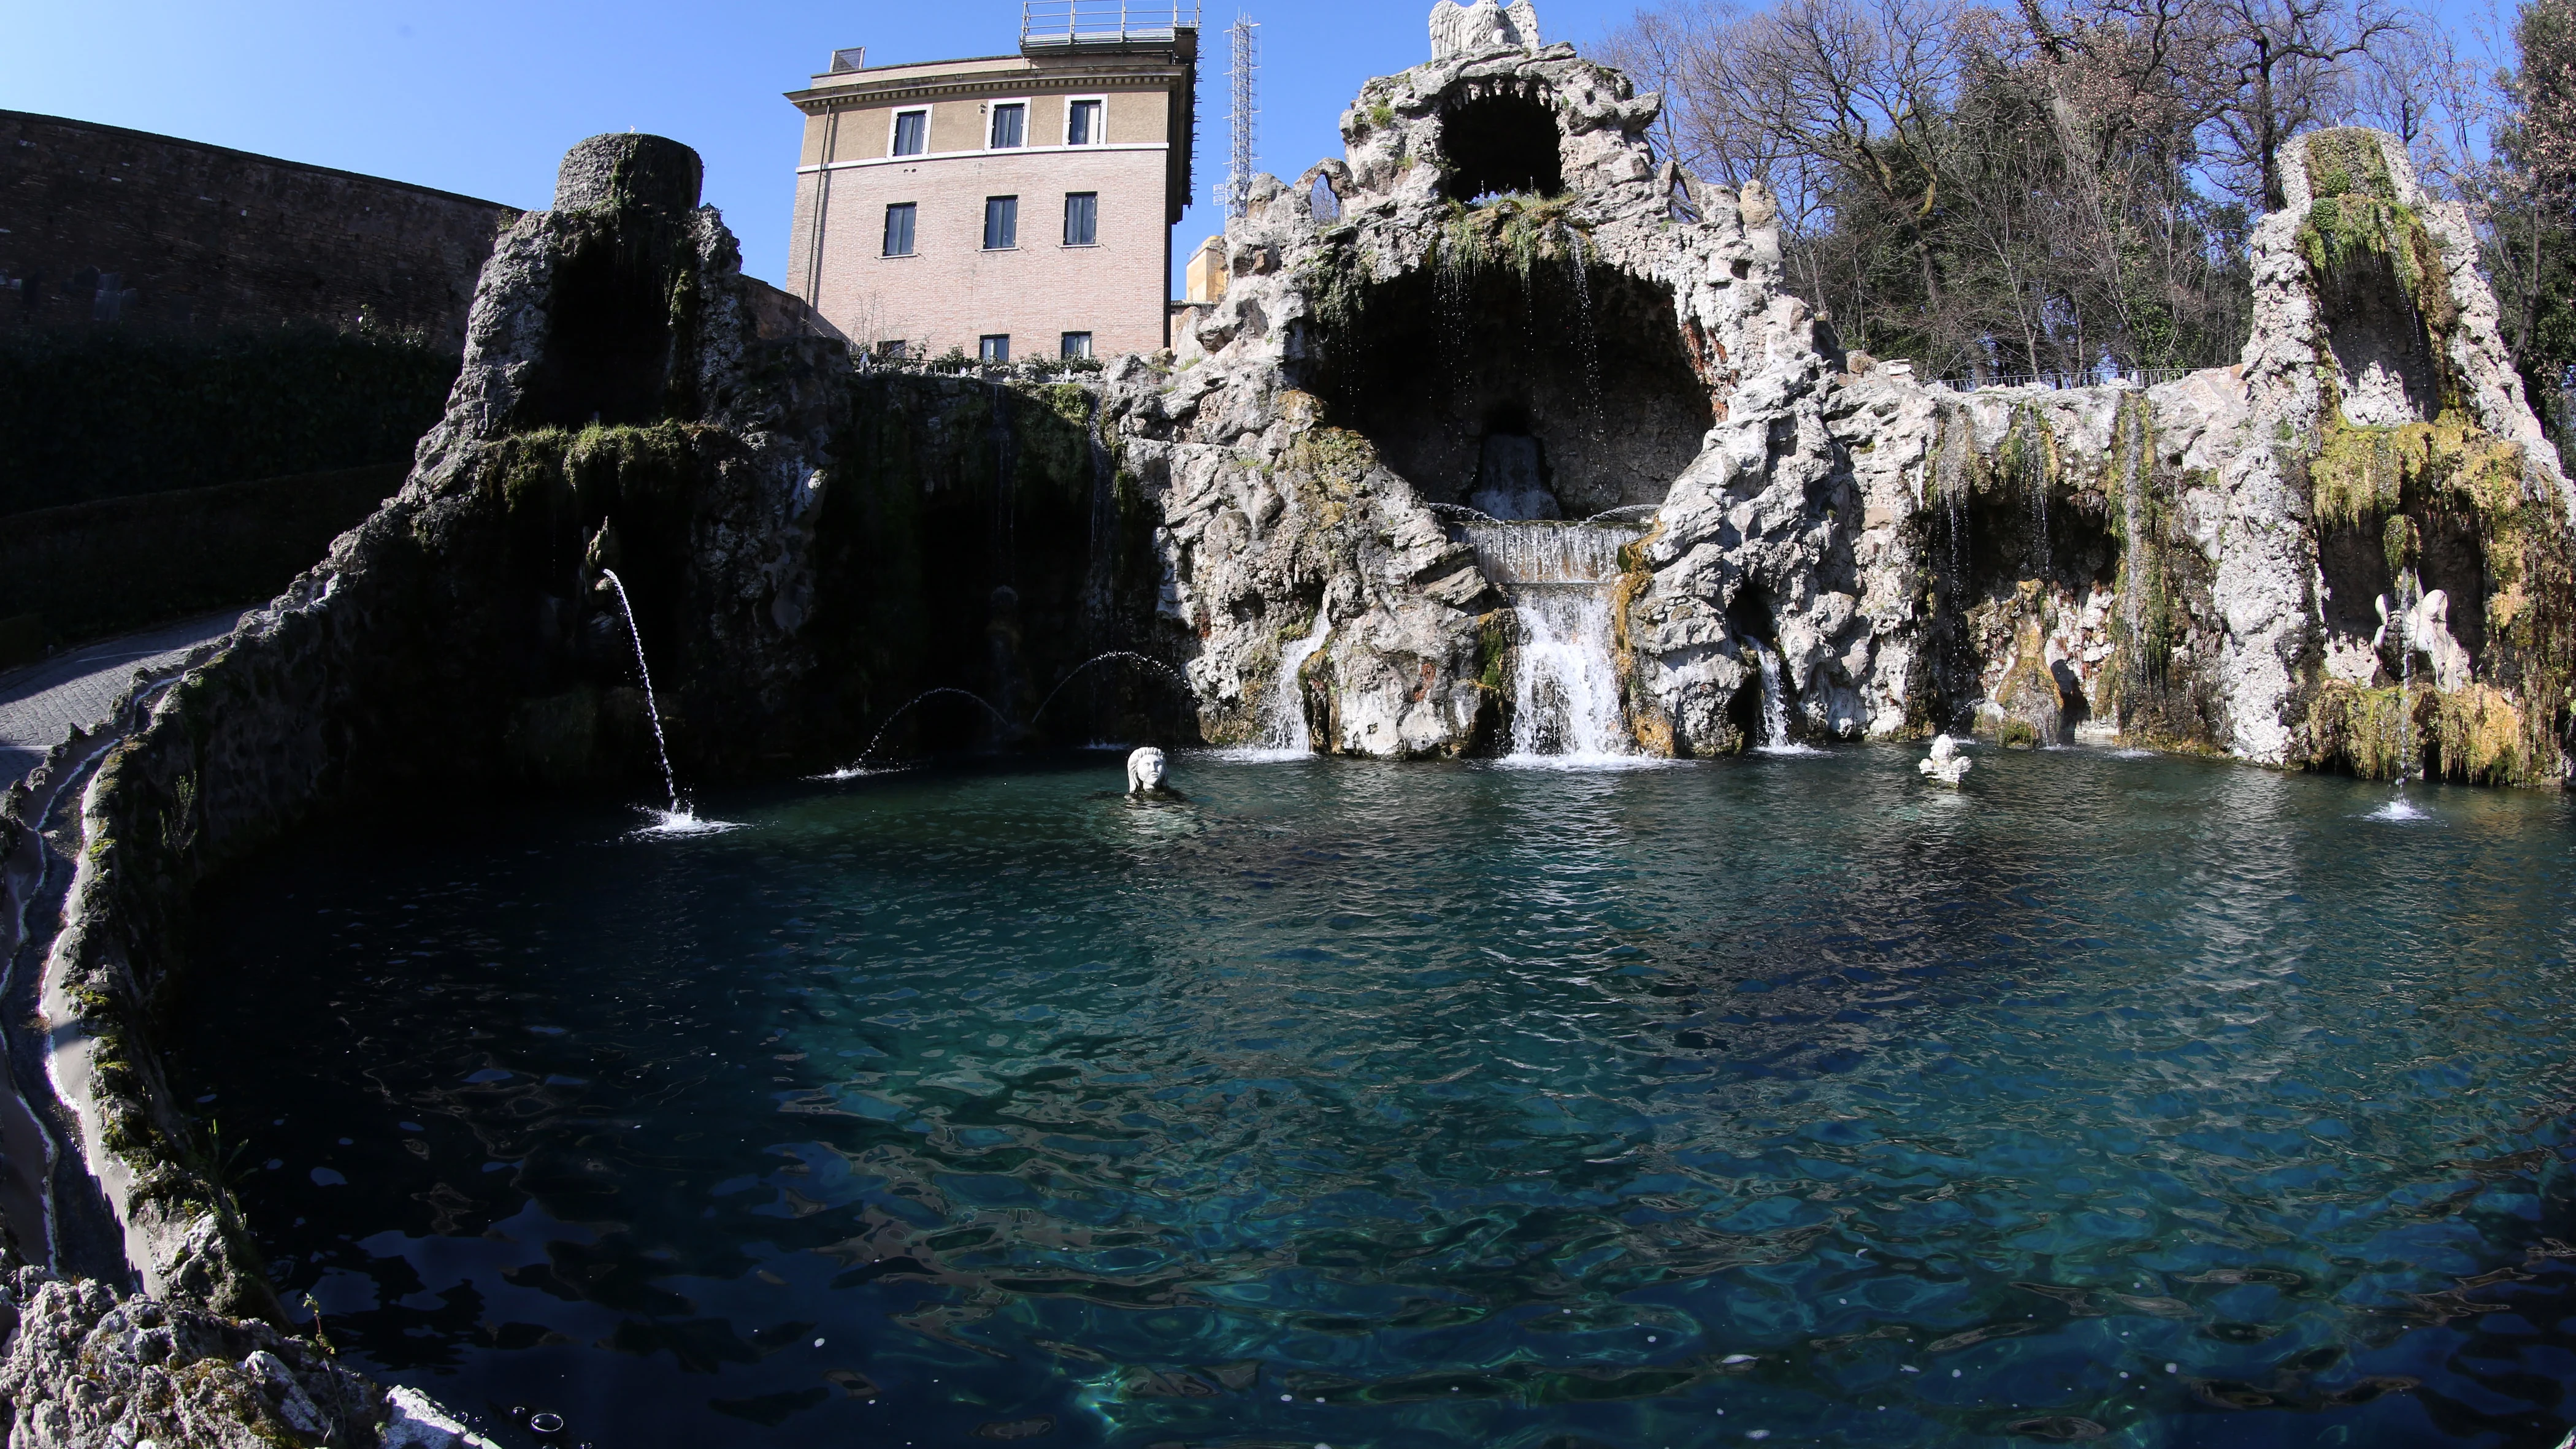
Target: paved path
41,703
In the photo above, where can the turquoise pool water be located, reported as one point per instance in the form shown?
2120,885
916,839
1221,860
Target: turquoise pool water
2141,1100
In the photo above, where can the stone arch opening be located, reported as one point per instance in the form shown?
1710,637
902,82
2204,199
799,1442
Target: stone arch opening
2353,563
1498,144
2381,343
1323,203
1570,391
1751,618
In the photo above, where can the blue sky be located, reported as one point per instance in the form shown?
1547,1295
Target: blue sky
482,97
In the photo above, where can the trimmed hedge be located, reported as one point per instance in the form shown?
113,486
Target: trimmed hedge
102,568
86,416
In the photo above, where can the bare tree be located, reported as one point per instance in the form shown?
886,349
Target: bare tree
2284,66
2026,190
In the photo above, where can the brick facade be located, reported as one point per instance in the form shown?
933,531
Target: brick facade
103,226
952,291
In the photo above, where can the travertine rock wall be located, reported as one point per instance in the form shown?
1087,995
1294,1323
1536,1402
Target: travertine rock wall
2155,561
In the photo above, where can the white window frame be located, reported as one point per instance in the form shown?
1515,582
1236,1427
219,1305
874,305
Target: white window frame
1027,107
1100,140
894,122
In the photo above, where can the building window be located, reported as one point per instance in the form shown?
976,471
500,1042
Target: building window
1081,218
898,233
993,347
911,132
1010,124
1076,344
1001,223
1082,124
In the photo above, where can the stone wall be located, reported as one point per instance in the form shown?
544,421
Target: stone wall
94,569
125,228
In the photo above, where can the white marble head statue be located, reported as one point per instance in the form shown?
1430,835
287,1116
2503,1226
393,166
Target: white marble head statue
1145,770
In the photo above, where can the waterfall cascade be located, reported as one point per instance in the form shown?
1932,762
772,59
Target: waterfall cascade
1775,706
1565,691
1284,733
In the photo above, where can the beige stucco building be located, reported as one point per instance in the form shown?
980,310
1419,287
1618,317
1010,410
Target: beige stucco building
1012,206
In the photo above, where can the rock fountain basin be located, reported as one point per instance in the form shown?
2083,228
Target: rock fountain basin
1504,443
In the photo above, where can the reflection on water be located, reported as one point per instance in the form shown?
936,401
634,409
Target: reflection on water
1399,1106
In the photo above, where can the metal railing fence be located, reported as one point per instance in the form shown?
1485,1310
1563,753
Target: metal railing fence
2092,377
1079,22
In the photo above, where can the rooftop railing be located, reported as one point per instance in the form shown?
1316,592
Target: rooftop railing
1070,23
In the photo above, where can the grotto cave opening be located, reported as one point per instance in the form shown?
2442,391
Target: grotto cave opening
1758,633
2018,541
1560,392
2353,562
1499,144
608,348
2381,345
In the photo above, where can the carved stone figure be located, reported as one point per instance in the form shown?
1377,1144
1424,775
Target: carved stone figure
1482,27
1146,770
1946,762
2426,629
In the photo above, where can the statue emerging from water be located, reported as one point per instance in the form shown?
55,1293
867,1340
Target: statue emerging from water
1146,771
1947,762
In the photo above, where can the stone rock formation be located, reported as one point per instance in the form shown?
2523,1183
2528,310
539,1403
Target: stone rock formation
89,1367
1502,267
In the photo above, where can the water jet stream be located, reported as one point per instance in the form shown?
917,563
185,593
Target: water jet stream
858,767
653,711
1143,659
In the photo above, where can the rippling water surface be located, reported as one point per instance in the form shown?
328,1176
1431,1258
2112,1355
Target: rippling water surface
2142,1100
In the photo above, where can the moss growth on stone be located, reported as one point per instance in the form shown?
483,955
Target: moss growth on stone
2477,734
2363,474
2508,727
2354,241
1339,461
1493,641
2347,161
2027,458
1516,233
1335,282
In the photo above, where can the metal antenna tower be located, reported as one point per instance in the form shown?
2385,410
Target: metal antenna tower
1235,190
